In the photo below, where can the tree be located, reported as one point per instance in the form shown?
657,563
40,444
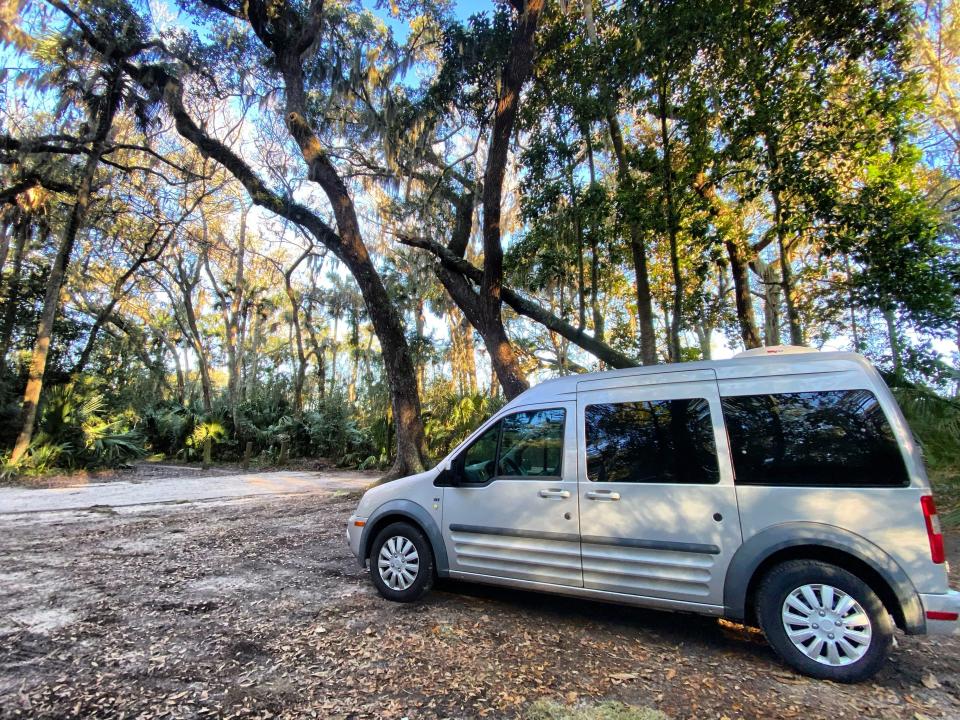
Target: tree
103,103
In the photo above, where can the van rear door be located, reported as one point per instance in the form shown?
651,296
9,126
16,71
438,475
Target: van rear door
658,507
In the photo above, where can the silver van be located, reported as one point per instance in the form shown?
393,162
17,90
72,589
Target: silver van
783,490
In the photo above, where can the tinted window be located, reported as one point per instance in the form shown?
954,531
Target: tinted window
478,459
838,437
532,443
662,441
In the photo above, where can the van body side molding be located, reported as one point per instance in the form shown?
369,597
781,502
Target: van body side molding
511,532
415,512
701,548
590,539
761,546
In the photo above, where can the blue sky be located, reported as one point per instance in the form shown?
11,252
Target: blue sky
466,8
462,9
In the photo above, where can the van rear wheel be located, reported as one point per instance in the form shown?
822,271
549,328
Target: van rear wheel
401,563
824,621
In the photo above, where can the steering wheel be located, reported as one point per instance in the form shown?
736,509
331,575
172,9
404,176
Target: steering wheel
512,466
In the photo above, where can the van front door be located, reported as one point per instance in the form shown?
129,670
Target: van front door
513,514
658,507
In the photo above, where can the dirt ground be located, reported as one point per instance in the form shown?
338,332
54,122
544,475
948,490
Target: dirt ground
256,609
147,471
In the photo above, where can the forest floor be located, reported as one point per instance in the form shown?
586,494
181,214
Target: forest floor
256,608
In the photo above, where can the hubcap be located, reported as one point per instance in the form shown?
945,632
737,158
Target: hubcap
398,563
826,624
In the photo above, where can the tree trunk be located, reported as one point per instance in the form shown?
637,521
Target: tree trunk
318,350
740,271
178,367
854,330
254,357
387,324
300,372
355,358
334,346
599,325
648,336
517,70
4,243
779,222
581,265
704,332
772,289
11,296
670,221
186,282
231,317
896,353
51,300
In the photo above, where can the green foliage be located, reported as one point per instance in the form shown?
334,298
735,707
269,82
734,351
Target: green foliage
935,422
211,430
77,431
332,431
79,423
42,457
168,428
450,417
549,710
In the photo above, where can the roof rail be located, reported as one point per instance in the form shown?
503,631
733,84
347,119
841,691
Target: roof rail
775,350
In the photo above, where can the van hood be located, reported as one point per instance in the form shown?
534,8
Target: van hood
377,496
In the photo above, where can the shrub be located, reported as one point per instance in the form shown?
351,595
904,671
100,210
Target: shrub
86,436
935,421
41,458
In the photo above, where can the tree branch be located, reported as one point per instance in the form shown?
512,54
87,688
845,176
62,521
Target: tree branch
522,305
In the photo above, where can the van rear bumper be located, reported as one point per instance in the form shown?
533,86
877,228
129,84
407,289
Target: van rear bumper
942,613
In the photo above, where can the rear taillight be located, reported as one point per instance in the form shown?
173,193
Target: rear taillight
934,534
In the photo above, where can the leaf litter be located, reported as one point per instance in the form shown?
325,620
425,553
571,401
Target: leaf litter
256,609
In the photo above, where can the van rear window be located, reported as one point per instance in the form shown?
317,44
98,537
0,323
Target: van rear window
661,441
836,438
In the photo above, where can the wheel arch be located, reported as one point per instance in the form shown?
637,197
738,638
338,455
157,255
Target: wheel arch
812,541
410,512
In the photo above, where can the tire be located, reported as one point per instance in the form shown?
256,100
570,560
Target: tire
399,551
840,629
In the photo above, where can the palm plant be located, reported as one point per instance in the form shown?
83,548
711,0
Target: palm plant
77,424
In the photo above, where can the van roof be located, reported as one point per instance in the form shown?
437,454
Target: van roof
744,366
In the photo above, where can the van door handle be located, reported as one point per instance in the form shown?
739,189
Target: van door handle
607,495
554,493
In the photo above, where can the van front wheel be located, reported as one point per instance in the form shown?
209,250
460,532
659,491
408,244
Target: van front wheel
401,563
824,621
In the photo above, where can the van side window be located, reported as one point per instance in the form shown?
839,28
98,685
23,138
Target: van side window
532,443
660,441
830,438
479,459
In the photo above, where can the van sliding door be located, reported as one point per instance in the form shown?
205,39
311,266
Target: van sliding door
658,507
